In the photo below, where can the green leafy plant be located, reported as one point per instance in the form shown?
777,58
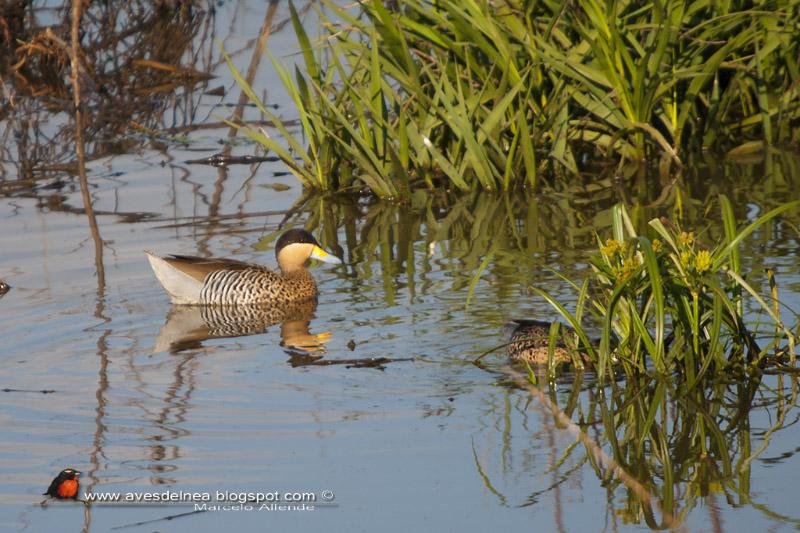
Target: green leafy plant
463,95
670,303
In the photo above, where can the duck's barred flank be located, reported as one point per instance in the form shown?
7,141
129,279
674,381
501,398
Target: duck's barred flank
256,285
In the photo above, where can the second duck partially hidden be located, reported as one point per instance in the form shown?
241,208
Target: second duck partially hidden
529,341
193,280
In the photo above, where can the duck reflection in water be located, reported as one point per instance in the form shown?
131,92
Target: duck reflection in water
188,326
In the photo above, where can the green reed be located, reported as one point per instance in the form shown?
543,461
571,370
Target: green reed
670,302
490,95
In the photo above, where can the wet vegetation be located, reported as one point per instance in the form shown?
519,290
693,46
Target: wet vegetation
398,96
674,303
137,58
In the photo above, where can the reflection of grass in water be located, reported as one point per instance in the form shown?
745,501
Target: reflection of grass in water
499,244
664,449
687,444
506,234
135,57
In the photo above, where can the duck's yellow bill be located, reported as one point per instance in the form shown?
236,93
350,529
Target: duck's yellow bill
321,255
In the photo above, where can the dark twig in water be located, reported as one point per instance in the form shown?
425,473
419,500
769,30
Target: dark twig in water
43,391
198,221
166,132
303,359
222,160
164,519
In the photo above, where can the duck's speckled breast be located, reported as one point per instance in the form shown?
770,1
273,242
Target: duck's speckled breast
256,285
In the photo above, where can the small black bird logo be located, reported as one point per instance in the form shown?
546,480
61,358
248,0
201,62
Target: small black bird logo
65,485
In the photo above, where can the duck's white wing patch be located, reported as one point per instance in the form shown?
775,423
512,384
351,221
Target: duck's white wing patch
182,288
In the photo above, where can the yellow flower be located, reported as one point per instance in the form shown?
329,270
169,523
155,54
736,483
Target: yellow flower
686,238
629,266
611,248
657,245
702,262
687,258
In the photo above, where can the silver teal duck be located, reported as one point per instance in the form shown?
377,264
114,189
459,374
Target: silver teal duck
529,341
193,280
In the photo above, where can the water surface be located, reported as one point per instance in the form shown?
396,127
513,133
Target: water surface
429,441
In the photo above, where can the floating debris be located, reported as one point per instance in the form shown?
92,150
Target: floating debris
222,160
279,187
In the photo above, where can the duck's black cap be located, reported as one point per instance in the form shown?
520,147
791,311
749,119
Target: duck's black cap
294,236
